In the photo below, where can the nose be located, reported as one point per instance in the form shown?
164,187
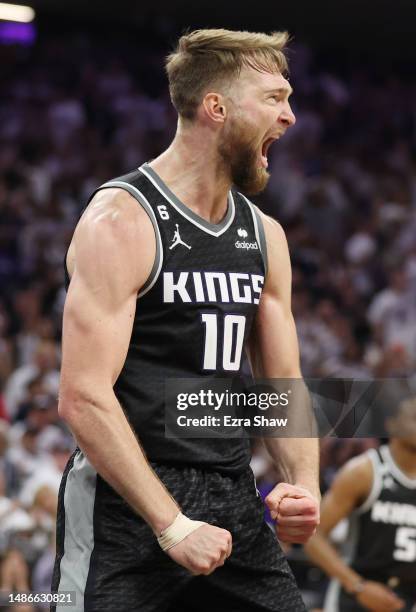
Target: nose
287,116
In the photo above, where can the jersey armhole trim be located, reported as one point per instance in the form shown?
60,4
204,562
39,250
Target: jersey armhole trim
377,483
259,232
395,471
141,199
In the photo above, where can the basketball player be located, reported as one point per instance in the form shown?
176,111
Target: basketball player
162,287
377,491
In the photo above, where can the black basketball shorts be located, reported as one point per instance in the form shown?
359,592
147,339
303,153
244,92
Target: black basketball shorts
110,557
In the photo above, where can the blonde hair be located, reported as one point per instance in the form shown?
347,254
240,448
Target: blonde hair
207,58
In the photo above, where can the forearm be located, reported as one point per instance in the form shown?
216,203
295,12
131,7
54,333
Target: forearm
104,434
296,460
296,456
324,555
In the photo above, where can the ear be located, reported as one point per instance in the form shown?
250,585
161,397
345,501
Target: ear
215,107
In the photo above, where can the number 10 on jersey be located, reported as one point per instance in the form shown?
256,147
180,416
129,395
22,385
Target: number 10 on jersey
223,350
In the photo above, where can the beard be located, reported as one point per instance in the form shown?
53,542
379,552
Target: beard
237,150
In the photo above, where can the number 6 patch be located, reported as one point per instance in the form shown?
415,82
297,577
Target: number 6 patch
163,212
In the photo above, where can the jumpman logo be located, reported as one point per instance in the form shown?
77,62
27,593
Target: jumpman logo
178,240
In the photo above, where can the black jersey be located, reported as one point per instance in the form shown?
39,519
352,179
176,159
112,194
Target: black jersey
193,315
382,532
384,528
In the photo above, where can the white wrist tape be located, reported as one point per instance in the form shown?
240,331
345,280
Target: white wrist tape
181,527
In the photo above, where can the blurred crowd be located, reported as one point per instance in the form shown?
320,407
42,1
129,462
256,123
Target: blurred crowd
76,111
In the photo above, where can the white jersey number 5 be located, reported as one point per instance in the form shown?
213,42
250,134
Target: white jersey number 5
405,544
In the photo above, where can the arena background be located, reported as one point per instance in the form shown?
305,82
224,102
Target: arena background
84,98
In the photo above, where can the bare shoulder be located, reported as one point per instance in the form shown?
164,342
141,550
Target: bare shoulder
350,488
279,274
355,478
272,228
277,246
117,210
114,235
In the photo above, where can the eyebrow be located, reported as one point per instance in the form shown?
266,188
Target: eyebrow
280,90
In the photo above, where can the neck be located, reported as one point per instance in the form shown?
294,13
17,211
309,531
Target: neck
404,457
192,169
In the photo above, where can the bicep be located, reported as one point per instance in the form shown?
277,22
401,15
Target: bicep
273,346
95,334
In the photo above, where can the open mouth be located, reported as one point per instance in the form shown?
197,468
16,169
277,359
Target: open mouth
264,151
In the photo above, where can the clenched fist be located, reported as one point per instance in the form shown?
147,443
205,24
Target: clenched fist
296,512
203,550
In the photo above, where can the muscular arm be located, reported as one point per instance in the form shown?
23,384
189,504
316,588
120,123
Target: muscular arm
274,353
114,248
